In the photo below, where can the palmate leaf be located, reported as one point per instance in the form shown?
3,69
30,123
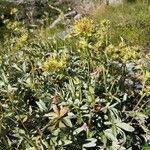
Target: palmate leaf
60,113
55,109
63,111
61,124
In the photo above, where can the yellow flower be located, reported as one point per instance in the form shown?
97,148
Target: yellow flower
84,26
123,52
14,11
147,90
130,53
23,38
21,41
113,51
54,63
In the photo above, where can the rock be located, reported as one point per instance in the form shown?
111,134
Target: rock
71,14
115,2
78,16
62,35
130,67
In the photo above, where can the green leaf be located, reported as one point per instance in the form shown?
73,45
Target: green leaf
84,107
9,88
91,89
24,66
67,142
51,115
76,80
77,131
30,148
116,146
41,105
5,79
2,84
16,67
67,122
125,127
92,143
109,134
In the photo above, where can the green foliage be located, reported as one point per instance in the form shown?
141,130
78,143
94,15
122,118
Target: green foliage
146,148
129,21
78,93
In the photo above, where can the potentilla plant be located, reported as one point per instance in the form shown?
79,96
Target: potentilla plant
81,93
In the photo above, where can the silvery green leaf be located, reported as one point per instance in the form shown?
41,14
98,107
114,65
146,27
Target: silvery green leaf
92,143
2,84
91,90
51,115
41,105
31,148
125,127
67,122
9,88
67,142
4,77
77,131
16,67
116,146
125,97
71,115
84,107
24,66
109,135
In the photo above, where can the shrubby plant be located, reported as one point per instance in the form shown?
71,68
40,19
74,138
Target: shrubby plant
83,92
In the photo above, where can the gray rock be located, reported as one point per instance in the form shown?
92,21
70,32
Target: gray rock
78,16
62,35
115,2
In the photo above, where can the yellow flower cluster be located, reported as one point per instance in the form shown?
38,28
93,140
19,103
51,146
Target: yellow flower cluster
123,52
54,63
14,11
22,40
147,90
83,26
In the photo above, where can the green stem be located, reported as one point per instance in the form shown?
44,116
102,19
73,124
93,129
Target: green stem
104,79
